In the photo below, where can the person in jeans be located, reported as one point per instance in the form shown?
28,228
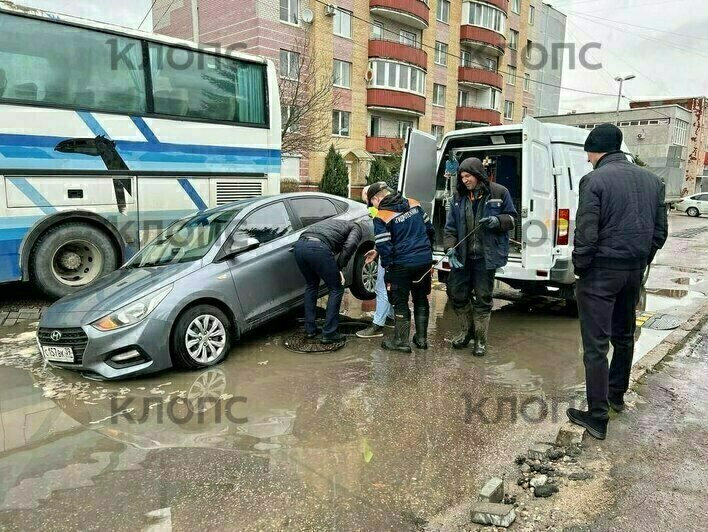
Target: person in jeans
315,256
404,240
484,211
620,225
383,316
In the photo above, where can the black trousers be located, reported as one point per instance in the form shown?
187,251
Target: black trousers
316,262
401,285
607,301
472,280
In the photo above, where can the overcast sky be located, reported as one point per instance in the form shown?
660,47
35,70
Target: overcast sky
670,62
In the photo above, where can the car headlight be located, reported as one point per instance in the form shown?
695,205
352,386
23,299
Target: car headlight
133,312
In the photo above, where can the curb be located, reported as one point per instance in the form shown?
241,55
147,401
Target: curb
669,346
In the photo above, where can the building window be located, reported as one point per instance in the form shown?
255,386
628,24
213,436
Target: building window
529,46
342,74
465,59
512,75
375,126
289,11
403,127
438,132
438,94
527,82
463,99
286,112
340,123
680,132
343,23
408,38
485,16
524,112
443,14
508,109
516,6
440,53
377,31
495,101
289,64
513,40
490,63
532,15
398,76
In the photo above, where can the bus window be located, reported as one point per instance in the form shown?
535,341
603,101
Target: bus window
62,65
193,84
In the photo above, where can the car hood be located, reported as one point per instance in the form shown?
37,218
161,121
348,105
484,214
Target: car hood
115,290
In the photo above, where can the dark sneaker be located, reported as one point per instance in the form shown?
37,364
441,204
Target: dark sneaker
390,322
334,338
375,331
596,427
313,335
617,405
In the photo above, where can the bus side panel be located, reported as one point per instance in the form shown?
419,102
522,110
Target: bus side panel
12,231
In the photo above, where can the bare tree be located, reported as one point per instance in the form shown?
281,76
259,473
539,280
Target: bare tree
307,97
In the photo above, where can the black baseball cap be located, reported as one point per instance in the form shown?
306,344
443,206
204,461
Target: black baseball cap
375,189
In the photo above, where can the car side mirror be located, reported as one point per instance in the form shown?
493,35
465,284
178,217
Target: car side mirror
238,246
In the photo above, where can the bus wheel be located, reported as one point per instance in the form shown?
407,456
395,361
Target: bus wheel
71,256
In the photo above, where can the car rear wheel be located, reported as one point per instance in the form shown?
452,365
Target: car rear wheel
364,283
202,337
692,211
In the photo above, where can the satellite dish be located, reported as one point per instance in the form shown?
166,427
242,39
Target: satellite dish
307,15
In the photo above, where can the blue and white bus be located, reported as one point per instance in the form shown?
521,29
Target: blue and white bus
108,134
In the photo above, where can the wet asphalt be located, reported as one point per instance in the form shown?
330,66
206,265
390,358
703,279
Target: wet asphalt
271,439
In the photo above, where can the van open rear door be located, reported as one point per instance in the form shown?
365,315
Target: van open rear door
537,198
419,168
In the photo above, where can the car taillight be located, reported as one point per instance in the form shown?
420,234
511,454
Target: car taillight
563,227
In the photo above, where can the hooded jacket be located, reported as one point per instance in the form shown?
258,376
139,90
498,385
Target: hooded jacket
403,232
621,220
495,201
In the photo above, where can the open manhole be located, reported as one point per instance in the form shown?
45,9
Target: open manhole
299,344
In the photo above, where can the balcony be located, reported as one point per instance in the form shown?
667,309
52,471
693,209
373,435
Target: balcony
398,101
474,115
386,49
480,77
482,39
414,13
384,145
501,4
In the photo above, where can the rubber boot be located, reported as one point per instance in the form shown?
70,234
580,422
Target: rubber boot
481,325
466,335
401,334
421,315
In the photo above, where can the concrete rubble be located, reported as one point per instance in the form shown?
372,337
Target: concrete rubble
485,513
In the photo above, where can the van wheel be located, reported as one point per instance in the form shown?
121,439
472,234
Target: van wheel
364,283
692,211
201,337
71,256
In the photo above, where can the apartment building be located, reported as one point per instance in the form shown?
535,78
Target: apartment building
434,65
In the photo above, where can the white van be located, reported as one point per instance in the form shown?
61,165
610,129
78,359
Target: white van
541,164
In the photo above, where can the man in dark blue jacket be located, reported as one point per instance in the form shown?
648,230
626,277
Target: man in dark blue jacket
477,243
404,240
620,225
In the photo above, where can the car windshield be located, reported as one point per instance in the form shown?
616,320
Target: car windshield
186,240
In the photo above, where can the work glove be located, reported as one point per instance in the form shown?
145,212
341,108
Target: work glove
454,260
490,222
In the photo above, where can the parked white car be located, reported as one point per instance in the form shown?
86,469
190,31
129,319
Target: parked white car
694,205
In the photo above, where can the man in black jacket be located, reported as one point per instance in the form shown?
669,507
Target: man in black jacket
315,255
620,225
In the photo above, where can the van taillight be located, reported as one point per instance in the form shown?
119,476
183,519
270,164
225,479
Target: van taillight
563,227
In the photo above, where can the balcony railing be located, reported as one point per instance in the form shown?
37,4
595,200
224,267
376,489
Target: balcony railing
501,4
394,99
417,9
384,144
478,75
477,115
474,34
407,53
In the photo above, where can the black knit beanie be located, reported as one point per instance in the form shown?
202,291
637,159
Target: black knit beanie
605,138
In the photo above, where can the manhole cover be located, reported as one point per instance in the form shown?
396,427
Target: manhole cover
689,233
663,322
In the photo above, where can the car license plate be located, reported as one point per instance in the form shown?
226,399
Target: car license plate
58,354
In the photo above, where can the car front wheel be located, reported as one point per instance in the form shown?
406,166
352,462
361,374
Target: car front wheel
692,211
202,337
364,283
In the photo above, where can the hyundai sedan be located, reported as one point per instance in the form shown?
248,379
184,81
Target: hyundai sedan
188,295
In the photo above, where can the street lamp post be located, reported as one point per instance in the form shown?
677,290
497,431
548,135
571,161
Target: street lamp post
621,80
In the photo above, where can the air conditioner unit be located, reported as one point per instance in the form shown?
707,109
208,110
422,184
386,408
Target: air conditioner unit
330,10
